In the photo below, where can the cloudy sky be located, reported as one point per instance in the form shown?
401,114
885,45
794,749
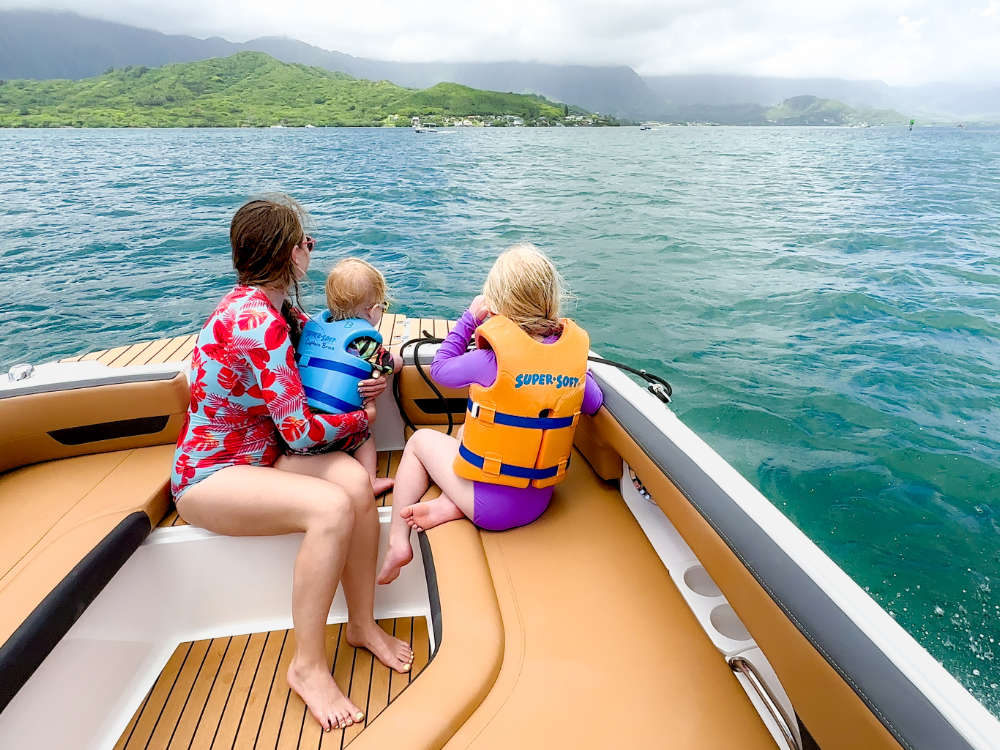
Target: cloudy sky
898,41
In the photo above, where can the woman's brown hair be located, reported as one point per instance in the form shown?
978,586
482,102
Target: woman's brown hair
263,234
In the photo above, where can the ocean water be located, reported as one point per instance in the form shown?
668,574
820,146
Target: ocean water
826,302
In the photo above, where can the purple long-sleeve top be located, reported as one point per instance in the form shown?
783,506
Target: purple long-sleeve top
497,507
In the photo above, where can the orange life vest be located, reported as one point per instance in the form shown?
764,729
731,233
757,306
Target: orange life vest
519,431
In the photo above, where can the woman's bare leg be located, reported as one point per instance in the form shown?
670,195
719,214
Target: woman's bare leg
359,570
429,455
259,500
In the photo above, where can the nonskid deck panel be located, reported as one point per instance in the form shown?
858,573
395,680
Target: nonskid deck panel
395,329
231,692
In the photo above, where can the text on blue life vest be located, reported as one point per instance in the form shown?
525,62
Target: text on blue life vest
318,340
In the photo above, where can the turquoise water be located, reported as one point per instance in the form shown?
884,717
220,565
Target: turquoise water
826,302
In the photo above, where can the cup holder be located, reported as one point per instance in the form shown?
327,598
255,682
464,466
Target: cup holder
697,579
724,620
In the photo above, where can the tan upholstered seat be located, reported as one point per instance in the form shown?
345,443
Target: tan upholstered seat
598,648
54,514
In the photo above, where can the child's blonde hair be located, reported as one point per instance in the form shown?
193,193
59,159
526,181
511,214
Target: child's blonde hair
352,283
524,286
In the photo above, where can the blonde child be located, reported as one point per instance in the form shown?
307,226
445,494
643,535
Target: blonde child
528,383
356,300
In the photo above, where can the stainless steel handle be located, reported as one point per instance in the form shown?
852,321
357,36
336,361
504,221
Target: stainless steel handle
745,667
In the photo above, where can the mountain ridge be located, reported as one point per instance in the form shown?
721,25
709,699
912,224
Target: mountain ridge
253,89
49,44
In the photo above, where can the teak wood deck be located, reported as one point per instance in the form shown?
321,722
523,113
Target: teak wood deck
231,692
395,329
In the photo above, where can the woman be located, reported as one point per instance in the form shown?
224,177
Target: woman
232,476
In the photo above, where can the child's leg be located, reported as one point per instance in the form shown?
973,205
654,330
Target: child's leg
429,455
368,457
457,498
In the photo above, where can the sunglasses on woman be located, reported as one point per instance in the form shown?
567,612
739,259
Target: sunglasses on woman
308,243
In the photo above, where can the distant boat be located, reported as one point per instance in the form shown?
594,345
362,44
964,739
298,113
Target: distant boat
418,128
308,125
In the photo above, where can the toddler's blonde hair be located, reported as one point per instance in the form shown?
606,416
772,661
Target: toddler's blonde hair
352,283
524,286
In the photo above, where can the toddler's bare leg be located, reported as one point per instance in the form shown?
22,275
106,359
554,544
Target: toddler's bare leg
368,458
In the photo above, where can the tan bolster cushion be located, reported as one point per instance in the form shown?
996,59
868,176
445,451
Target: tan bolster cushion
468,659
53,514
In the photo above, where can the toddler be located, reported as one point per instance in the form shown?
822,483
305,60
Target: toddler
341,346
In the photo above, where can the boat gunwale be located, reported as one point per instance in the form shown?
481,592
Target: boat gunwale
872,652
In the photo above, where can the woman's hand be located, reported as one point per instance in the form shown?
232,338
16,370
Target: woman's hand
479,309
372,388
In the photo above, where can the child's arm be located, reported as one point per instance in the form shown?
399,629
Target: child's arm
454,367
593,398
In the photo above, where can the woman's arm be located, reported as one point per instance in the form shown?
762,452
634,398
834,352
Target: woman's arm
279,385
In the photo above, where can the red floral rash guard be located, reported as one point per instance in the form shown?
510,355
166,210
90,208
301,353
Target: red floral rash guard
247,402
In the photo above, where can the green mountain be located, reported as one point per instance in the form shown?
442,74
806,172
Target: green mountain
799,110
47,44
811,110
253,89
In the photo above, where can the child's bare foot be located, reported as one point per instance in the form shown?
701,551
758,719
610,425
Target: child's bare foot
315,686
382,484
395,558
391,651
423,516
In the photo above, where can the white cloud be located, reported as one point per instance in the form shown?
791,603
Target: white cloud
900,41
911,26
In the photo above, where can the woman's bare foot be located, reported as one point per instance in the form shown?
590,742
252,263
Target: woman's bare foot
328,705
395,558
381,485
423,516
389,650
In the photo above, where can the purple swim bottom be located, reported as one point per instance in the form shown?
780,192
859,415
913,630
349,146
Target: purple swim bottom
498,508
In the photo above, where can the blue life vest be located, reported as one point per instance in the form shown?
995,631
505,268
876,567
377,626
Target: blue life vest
330,374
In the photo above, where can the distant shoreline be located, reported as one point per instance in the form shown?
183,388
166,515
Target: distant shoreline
457,128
